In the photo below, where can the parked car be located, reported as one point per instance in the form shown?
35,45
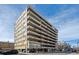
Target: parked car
0,52
10,52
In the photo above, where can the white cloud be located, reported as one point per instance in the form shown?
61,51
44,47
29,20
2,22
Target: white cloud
8,16
69,30
67,23
61,15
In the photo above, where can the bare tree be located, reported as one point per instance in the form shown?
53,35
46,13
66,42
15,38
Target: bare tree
63,47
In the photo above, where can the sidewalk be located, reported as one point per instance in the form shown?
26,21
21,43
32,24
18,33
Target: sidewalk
48,53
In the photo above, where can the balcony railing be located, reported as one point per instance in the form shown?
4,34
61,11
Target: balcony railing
41,28
39,22
44,37
37,30
39,39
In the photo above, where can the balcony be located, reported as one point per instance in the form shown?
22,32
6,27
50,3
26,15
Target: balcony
39,22
33,38
40,32
41,28
36,17
44,37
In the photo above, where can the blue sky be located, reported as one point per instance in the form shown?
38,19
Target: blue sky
64,17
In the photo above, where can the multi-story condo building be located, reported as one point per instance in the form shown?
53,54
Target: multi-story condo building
33,33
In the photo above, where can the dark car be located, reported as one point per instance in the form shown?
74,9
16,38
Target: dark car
10,52
0,52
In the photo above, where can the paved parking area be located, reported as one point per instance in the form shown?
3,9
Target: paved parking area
48,54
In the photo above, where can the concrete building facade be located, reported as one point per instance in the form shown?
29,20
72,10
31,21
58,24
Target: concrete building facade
33,33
